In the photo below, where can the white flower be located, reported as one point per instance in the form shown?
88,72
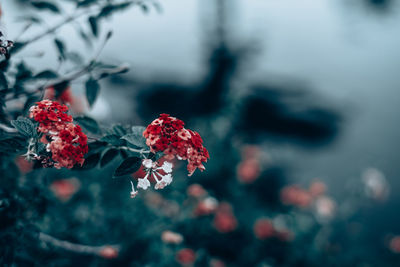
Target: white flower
167,179
147,163
162,179
167,167
325,208
376,185
133,192
143,183
160,183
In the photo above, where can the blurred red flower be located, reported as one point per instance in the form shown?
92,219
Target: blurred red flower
294,195
64,189
185,256
224,220
196,190
317,188
248,170
108,252
23,165
263,229
394,244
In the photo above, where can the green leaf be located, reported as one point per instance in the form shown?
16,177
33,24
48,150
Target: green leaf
111,8
40,147
88,123
92,90
17,47
113,139
136,137
119,130
74,57
32,19
108,156
3,81
85,3
46,74
12,145
60,47
23,73
25,127
85,37
91,162
46,5
93,25
128,166
95,146
144,8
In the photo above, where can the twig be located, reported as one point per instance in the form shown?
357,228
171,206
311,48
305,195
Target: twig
141,151
54,28
7,128
73,247
76,16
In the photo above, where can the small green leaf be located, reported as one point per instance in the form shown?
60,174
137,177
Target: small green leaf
23,73
108,156
92,90
74,57
93,25
111,8
113,139
46,74
128,166
136,137
17,47
46,5
85,37
12,145
3,81
91,162
85,3
25,127
60,47
88,123
119,130
95,146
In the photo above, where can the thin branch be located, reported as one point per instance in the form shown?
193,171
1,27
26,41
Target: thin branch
141,151
7,128
75,16
54,28
73,247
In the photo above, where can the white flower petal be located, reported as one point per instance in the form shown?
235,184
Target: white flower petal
167,179
167,167
147,163
143,183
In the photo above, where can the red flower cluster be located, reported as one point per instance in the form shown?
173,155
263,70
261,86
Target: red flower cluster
65,140
167,134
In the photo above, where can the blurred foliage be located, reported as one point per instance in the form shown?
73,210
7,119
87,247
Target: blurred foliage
243,211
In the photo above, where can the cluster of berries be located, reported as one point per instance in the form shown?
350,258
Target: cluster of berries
65,140
167,134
